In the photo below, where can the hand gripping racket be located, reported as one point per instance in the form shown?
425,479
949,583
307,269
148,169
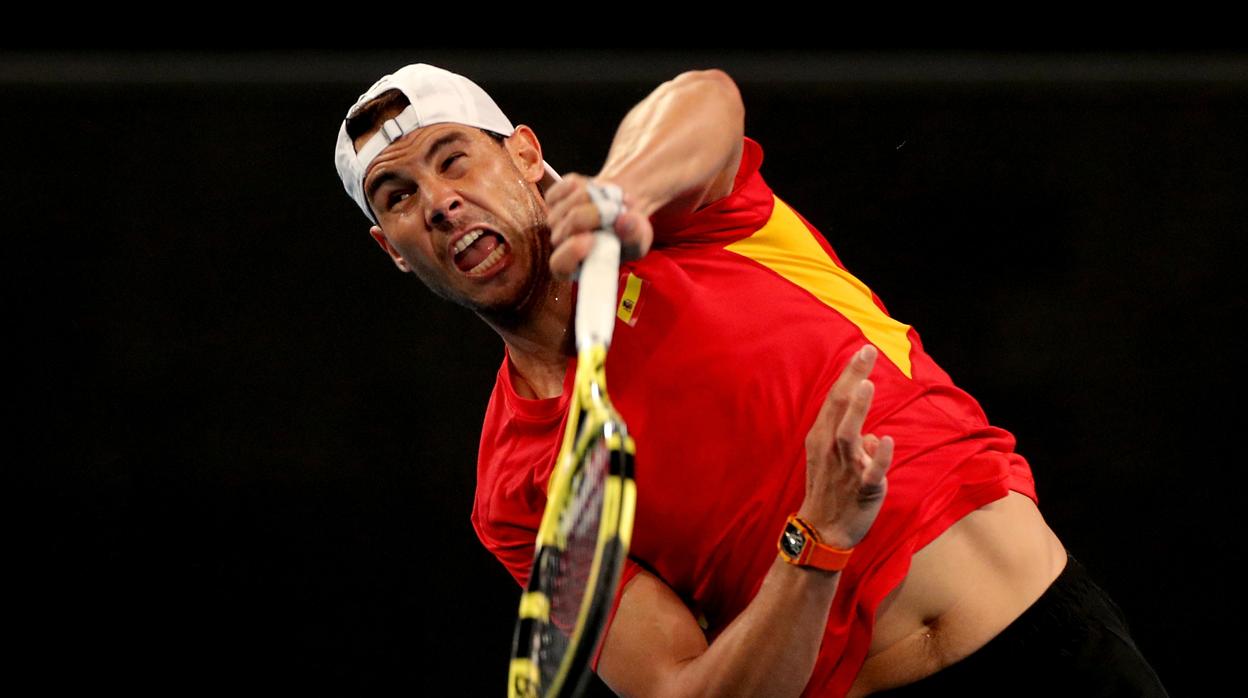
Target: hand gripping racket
584,535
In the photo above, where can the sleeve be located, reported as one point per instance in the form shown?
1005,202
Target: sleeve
512,546
516,453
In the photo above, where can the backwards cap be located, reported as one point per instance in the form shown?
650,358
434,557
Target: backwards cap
435,96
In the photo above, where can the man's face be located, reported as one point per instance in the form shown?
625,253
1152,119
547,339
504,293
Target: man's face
462,212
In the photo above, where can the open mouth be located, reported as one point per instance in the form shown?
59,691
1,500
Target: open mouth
478,251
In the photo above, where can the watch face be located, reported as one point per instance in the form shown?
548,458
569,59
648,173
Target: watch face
792,541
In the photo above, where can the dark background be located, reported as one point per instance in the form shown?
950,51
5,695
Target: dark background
245,446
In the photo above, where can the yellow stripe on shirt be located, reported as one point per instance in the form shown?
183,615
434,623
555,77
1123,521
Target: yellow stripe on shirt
786,246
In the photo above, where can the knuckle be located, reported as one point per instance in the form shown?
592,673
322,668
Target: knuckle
869,493
819,442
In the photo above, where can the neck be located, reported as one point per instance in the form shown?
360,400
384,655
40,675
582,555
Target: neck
541,342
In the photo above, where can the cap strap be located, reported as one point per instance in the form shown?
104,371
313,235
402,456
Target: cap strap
391,130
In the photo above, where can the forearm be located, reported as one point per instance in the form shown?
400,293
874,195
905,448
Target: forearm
654,646
670,148
771,647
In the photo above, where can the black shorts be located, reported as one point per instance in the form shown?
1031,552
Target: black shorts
1072,642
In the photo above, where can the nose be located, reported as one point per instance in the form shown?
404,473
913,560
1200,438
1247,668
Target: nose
445,206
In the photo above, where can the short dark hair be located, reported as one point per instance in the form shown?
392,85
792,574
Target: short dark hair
369,115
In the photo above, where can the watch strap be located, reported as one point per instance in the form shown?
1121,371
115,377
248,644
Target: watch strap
814,553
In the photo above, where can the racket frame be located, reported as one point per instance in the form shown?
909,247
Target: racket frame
591,418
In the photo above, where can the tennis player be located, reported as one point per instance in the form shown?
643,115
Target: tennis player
774,403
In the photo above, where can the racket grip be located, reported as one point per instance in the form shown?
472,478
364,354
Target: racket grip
595,300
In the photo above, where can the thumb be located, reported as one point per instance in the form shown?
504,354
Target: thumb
633,230
625,225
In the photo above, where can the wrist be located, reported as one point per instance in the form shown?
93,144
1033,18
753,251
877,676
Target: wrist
636,196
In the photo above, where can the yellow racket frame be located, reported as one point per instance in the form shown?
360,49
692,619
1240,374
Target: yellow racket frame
590,413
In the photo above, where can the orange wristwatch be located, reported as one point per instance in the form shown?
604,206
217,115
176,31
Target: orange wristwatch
799,545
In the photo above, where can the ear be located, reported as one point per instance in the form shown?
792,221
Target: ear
526,153
389,249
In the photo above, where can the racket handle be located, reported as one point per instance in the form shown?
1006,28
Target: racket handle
595,300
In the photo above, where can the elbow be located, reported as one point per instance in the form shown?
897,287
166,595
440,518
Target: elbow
717,86
721,116
713,78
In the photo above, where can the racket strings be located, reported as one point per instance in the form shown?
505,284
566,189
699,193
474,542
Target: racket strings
570,570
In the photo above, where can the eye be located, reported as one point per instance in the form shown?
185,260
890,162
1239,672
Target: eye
446,164
396,197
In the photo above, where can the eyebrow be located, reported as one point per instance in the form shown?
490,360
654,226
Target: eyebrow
377,183
383,178
448,139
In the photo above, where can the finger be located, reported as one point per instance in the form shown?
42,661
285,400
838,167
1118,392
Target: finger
568,185
577,219
635,233
869,443
849,430
877,469
565,260
575,198
858,368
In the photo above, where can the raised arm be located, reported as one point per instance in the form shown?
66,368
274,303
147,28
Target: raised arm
680,147
676,151
654,646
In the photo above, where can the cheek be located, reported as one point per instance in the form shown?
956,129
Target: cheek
506,185
415,249
529,212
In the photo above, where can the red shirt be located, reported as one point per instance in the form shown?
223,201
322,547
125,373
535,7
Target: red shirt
736,325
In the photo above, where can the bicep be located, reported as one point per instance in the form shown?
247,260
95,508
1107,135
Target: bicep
652,635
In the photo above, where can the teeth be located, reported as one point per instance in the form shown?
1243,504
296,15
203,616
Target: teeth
489,261
467,240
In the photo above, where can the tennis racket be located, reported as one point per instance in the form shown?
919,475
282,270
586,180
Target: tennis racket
584,535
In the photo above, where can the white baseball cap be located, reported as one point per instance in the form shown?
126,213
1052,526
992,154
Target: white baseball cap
435,96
